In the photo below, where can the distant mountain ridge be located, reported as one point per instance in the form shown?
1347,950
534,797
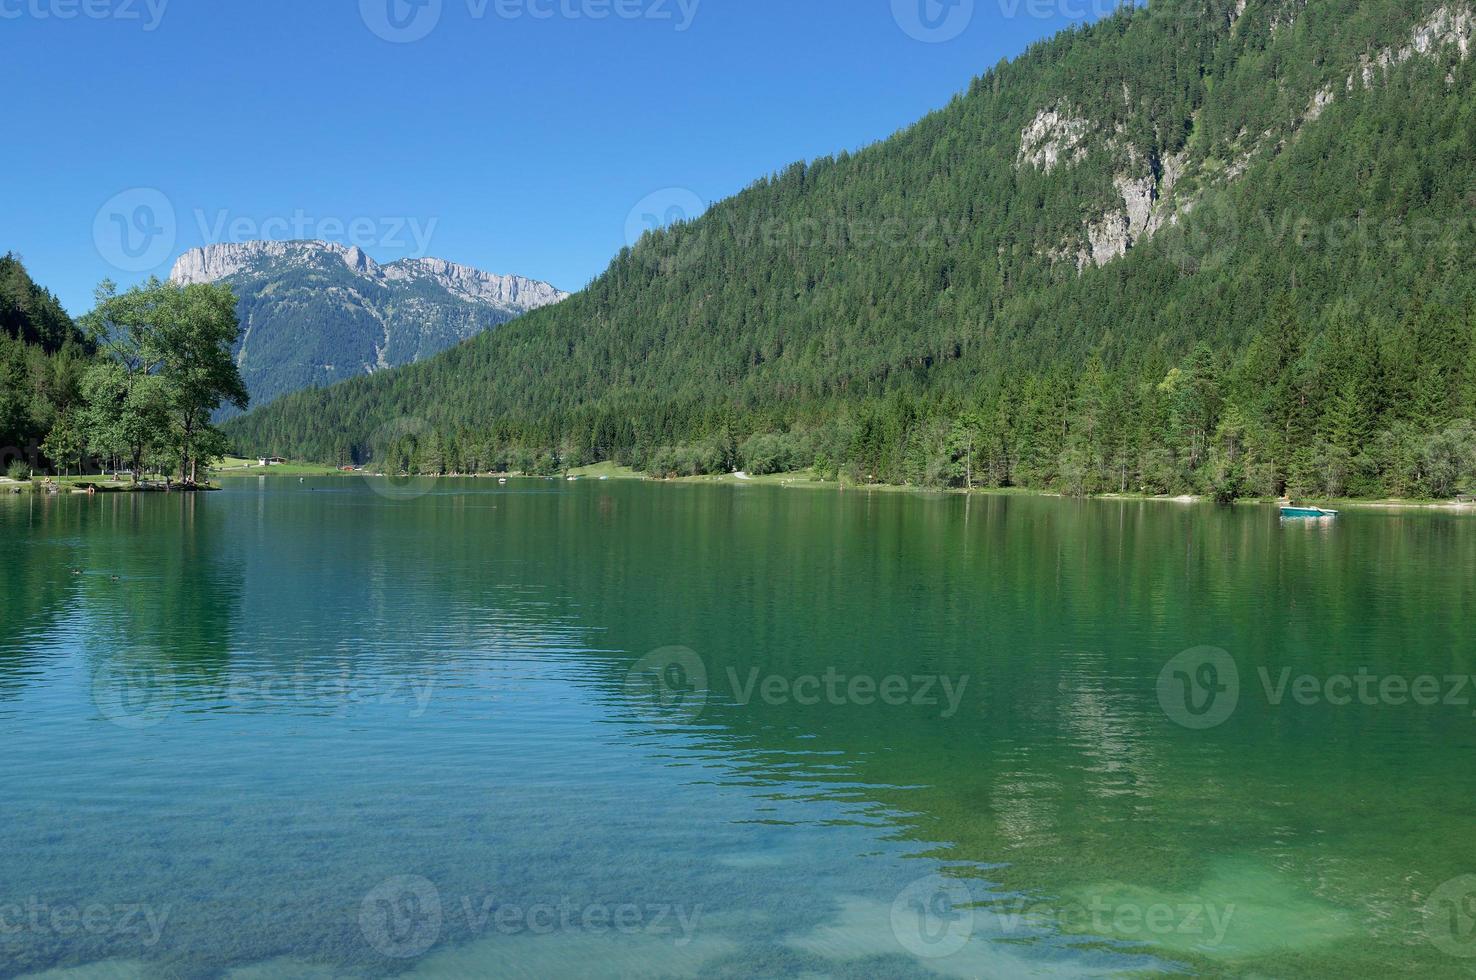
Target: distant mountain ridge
315,313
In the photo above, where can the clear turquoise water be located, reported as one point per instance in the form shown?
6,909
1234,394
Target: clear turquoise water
311,729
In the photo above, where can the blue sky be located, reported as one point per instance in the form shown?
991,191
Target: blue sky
526,136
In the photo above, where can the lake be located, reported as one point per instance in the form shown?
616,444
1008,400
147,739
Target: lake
349,727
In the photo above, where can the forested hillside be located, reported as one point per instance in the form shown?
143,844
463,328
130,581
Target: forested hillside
42,357
1201,245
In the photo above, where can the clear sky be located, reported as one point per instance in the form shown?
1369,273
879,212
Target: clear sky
518,136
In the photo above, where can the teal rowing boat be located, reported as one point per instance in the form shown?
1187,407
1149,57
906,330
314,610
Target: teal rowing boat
1307,512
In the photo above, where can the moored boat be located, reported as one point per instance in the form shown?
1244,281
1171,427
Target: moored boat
1307,512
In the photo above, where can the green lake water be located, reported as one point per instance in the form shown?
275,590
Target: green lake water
340,728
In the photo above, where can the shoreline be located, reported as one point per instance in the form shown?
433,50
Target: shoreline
805,480
89,486
801,480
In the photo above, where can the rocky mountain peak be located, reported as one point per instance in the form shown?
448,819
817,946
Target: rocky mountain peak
313,313
213,263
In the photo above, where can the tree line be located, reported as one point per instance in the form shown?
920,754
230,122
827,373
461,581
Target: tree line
1361,408
133,385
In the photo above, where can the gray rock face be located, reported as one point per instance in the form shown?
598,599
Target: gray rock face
1053,136
1147,207
513,293
476,286
1058,136
1450,25
314,313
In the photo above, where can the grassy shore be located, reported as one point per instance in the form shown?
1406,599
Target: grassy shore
606,471
235,467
